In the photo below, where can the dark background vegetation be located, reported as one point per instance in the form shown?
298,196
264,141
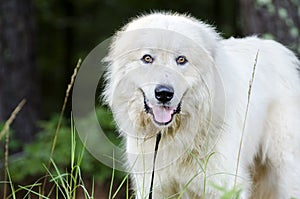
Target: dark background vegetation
41,41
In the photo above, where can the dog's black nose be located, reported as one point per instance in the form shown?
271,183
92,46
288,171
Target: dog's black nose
164,93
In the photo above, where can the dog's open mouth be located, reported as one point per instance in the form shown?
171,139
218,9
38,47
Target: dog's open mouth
162,114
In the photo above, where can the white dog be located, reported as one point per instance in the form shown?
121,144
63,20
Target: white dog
228,110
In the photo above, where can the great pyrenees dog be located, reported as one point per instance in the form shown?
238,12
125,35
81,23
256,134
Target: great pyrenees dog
202,115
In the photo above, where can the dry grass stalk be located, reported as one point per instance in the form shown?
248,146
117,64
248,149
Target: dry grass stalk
12,118
70,85
245,118
5,131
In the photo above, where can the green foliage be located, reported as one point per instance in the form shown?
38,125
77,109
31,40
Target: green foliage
284,16
35,156
107,123
234,193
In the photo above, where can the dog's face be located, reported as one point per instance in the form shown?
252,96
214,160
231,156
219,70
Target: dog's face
166,85
154,77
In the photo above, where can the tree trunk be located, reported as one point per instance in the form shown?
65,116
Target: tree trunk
276,19
18,73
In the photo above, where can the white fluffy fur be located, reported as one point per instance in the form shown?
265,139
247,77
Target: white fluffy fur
199,148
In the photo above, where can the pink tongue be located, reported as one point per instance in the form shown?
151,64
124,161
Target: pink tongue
162,114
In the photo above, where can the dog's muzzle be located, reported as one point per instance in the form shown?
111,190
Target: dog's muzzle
162,112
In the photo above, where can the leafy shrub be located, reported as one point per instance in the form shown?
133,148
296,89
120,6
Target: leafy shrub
35,157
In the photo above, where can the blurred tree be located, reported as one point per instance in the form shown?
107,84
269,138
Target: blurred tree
17,66
274,19
68,30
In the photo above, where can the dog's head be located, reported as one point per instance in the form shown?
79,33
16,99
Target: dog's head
159,71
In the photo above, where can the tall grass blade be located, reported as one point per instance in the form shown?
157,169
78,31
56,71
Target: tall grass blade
32,191
112,178
54,179
11,185
245,118
120,186
61,116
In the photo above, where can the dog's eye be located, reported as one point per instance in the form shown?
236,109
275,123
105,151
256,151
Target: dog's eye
147,59
181,60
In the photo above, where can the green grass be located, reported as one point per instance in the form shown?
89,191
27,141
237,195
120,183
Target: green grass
62,177
70,166
64,184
